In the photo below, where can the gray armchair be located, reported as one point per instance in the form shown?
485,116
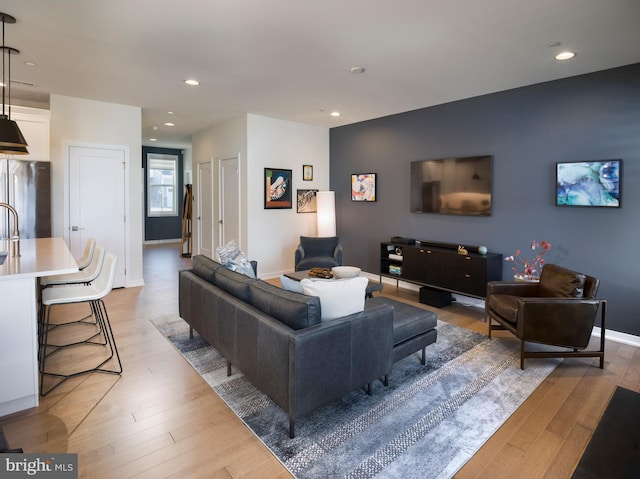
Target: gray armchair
560,310
318,253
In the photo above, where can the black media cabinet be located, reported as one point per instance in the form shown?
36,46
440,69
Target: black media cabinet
441,269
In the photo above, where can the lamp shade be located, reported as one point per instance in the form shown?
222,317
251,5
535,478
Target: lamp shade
14,150
10,134
326,203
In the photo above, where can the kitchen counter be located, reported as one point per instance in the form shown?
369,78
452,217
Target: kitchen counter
38,257
19,316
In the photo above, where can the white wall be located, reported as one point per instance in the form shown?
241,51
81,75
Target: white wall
272,143
85,122
225,140
268,236
187,164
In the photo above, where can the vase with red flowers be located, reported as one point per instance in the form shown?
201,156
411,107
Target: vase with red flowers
529,269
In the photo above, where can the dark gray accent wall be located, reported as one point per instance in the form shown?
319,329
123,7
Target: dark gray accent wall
527,130
158,227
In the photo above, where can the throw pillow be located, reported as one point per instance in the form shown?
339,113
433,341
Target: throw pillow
242,265
291,284
337,298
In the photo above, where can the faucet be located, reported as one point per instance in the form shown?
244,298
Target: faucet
15,236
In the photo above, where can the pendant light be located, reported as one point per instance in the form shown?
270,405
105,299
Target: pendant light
11,140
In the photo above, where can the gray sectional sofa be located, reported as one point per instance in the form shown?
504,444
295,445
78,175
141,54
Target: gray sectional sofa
277,340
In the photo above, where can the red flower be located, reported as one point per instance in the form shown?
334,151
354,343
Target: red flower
530,268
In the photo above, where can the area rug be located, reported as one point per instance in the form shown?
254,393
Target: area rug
614,450
426,424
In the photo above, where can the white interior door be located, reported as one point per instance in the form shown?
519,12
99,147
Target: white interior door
97,202
204,200
229,201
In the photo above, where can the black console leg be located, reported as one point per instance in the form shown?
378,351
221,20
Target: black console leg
424,357
369,389
292,428
190,332
386,380
228,368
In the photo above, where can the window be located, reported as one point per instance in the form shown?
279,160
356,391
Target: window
162,185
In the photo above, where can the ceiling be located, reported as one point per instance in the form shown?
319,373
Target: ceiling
291,59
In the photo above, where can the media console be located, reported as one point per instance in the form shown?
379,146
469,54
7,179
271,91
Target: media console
440,268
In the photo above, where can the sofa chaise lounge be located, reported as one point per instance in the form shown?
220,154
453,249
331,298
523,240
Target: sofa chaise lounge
278,341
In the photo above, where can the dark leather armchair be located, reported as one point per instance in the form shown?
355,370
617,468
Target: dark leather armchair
559,310
315,252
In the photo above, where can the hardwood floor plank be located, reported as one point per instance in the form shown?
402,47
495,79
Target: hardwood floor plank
160,419
568,454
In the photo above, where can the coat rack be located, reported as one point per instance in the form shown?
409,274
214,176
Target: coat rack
185,247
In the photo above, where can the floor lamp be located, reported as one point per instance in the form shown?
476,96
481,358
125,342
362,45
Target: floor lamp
326,201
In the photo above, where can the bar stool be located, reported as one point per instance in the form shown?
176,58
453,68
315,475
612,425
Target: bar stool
92,294
87,255
85,276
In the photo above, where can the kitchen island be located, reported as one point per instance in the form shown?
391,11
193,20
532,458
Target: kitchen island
19,316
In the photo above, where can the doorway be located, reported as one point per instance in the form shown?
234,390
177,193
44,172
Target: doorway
229,201
204,200
96,203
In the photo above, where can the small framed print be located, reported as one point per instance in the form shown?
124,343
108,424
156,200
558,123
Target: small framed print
307,202
307,172
277,188
363,187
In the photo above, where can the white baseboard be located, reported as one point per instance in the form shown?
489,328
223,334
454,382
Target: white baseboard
618,337
134,283
273,275
164,241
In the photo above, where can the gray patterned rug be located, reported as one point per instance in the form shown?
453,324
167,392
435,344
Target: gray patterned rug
426,424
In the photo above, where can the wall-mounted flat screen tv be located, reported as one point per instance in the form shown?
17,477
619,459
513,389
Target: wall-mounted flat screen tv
589,183
452,186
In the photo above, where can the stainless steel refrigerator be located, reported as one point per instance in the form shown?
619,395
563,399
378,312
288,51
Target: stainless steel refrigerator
26,185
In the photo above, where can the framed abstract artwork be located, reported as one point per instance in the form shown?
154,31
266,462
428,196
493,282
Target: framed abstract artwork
307,202
589,183
363,187
277,189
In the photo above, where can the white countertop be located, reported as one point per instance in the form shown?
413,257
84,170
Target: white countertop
38,257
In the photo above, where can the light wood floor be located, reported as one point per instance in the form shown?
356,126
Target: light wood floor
161,420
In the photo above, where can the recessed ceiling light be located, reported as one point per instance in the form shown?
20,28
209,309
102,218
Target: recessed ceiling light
357,70
169,124
153,139
565,55
170,112
335,113
30,64
192,82
154,127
